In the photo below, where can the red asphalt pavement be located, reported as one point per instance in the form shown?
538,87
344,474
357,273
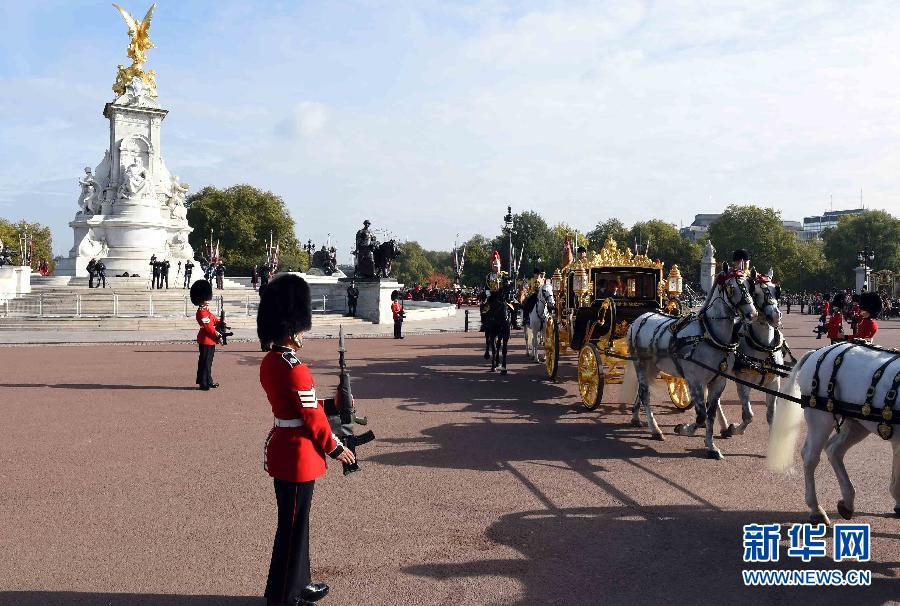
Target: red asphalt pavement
123,485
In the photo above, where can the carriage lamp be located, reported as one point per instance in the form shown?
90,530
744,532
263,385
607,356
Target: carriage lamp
556,280
579,281
676,284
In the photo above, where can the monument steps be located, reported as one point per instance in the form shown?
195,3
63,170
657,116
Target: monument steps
118,283
154,323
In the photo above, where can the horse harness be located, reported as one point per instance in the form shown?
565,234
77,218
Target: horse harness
884,417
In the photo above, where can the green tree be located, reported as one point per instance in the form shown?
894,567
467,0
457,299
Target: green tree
667,245
560,232
43,240
810,272
761,232
532,236
877,230
242,217
413,266
604,229
477,261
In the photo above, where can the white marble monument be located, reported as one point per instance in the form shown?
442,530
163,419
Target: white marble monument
130,206
708,267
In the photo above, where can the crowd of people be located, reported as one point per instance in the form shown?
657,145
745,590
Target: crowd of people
859,312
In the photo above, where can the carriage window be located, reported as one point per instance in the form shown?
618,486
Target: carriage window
624,285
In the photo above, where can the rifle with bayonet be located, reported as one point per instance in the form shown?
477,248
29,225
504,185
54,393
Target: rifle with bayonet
341,411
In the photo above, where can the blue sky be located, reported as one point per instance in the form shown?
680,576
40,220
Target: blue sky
430,117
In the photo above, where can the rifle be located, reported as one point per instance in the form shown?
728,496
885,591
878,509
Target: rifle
341,412
221,326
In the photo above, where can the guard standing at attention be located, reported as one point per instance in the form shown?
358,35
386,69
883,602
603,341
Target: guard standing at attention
352,298
188,269
207,336
869,308
296,446
397,311
834,328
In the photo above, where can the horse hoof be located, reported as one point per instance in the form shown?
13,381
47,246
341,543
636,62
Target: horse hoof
679,428
845,511
487,356
897,511
636,423
658,437
715,455
728,431
503,371
819,518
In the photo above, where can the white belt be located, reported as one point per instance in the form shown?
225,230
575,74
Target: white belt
288,422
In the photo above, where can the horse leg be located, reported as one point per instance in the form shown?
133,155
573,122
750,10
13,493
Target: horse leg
644,396
714,405
771,401
641,373
851,433
746,410
698,397
505,344
487,342
895,475
818,427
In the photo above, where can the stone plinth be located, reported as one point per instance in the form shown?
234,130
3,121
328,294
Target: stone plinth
861,275
328,293
15,281
708,267
374,302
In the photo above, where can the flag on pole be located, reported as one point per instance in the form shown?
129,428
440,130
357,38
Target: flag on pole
275,258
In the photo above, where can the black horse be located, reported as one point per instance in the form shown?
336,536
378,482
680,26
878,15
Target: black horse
497,317
385,253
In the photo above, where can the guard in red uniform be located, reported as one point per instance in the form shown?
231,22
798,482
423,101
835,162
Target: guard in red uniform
298,442
834,328
207,336
397,312
869,308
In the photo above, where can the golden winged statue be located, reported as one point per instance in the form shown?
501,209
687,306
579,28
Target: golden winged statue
139,35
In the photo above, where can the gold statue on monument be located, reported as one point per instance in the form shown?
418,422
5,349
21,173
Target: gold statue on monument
139,34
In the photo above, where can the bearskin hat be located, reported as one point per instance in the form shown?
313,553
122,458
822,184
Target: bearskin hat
839,301
740,255
201,292
537,270
870,302
285,309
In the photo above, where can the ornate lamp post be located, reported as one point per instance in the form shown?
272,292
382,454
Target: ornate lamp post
508,230
864,256
309,247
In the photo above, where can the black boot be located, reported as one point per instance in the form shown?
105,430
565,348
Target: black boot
314,592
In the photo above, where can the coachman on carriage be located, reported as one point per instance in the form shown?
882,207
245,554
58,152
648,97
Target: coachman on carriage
597,299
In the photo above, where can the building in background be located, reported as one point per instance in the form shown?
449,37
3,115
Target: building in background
699,227
814,226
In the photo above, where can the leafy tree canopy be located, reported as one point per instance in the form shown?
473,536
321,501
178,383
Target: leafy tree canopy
876,229
667,245
413,266
43,240
242,217
604,229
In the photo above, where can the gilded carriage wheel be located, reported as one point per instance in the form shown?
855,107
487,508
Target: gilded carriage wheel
590,376
551,349
678,392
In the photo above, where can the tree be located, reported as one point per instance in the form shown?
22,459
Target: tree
667,245
560,232
242,218
43,240
875,229
439,280
532,236
477,261
412,266
810,272
761,232
604,229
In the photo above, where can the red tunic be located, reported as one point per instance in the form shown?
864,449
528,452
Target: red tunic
835,327
207,334
397,310
295,454
865,329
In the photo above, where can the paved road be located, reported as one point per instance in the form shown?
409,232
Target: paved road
124,486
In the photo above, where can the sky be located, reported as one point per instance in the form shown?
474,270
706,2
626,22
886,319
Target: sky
429,117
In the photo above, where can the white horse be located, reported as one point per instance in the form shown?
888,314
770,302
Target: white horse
850,377
536,322
660,342
761,350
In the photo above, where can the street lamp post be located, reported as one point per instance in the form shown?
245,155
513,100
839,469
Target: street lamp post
865,257
309,248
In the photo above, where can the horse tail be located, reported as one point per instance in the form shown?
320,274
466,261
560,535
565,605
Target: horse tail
630,380
786,424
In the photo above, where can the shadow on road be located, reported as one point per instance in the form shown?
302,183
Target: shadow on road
97,386
72,598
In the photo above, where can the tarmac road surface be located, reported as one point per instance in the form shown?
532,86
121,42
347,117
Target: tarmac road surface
123,485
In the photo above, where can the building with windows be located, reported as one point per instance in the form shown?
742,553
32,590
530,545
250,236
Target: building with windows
814,226
699,227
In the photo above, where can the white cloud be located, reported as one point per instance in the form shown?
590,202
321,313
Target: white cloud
307,119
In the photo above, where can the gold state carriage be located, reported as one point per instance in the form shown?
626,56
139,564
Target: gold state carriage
597,298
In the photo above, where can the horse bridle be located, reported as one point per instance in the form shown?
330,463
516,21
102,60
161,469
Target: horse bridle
728,289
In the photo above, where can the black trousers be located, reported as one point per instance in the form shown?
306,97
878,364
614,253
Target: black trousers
101,279
187,279
289,570
91,280
204,365
398,329
351,307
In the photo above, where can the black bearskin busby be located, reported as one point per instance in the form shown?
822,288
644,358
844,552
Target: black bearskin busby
201,292
839,301
537,270
870,302
285,309
740,255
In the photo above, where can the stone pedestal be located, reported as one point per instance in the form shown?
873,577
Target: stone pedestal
328,293
374,302
861,275
14,281
134,208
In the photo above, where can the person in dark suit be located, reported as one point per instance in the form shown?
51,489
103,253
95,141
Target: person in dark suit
352,298
101,273
188,270
92,270
166,266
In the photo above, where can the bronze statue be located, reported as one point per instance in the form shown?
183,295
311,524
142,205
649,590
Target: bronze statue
366,244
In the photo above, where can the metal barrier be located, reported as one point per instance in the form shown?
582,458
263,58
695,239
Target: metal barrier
117,305
468,322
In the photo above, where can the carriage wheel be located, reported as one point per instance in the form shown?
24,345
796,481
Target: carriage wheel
678,392
551,349
590,376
